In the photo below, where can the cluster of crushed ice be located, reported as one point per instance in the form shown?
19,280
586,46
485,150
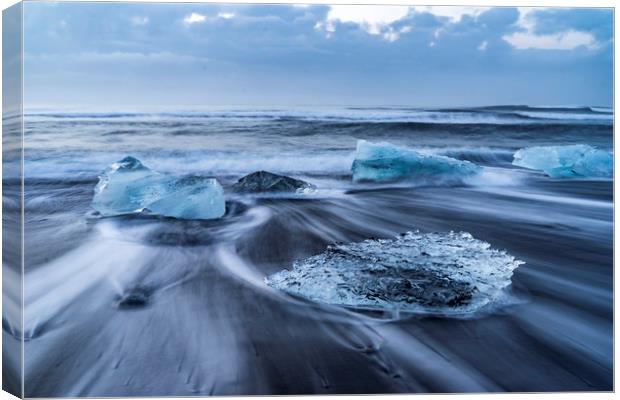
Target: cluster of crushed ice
572,161
443,273
384,162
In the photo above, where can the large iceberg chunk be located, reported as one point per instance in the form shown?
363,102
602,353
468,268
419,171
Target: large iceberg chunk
263,181
572,161
384,162
443,273
128,187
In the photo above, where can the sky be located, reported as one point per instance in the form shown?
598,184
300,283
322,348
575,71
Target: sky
134,55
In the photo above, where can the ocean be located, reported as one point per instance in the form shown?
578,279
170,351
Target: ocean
206,322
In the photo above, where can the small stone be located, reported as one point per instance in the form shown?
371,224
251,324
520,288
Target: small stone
136,297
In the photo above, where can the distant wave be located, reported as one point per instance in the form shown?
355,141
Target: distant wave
481,115
602,110
77,115
566,109
567,116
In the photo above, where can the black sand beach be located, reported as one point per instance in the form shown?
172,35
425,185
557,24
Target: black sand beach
153,306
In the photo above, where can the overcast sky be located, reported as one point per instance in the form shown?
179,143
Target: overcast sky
114,55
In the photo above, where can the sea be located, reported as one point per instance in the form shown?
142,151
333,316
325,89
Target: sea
203,319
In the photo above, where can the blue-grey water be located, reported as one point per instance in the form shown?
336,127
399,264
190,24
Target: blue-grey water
208,323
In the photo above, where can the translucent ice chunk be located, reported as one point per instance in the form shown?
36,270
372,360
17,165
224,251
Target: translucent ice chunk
191,197
572,161
382,162
127,187
443,273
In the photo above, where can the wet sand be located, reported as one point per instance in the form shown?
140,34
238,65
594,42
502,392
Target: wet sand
211,326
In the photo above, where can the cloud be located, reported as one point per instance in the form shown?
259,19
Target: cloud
453,13
139,21
383,20
375,20
194,18
226,15
568,40
526,20
379,54
392,35
597,21
531,37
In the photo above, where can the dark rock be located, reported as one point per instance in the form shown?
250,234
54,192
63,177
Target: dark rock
136,297
263,181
